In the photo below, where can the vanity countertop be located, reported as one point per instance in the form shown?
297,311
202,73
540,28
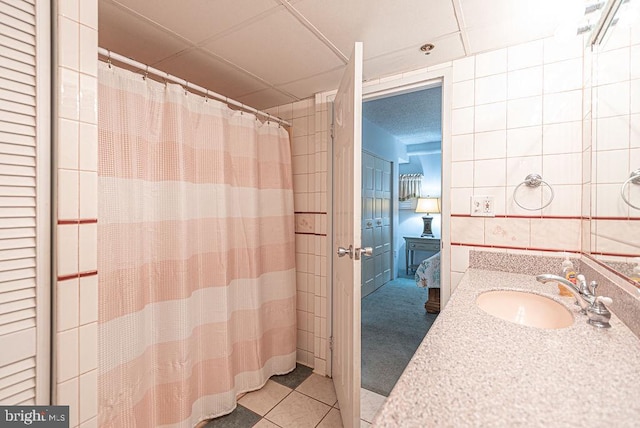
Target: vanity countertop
473,369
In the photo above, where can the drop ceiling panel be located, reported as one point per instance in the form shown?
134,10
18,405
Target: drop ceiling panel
202,69
447,49
121,32
277,48
319,83
519,21
197,20
383,26
266,47
266,99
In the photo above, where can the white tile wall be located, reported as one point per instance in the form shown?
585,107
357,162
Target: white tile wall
525,82
562,107
490,145
67,304
525,55
615,136
524,112
88,395
533,127
67,355
76,312
563,137
309,186
525,141
490,117
489,63
68,393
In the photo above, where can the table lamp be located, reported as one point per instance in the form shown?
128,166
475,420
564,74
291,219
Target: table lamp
428,205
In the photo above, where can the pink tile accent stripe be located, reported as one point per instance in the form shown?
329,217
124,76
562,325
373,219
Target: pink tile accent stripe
311,233
613,218
461,244
77,275
78,221
550,217
601,253
554,217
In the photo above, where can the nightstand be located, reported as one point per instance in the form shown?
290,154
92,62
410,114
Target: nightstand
418,244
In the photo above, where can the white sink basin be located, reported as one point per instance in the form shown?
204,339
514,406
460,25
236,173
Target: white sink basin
525,308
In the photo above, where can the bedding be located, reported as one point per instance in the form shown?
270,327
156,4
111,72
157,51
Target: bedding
428,273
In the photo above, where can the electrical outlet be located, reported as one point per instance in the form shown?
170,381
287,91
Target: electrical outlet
483,206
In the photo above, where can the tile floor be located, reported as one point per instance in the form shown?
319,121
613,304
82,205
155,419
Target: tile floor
299,399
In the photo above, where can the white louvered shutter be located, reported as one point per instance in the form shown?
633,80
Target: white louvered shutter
22,280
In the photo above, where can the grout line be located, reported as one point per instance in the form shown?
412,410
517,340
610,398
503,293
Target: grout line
324,417
313,398
276,405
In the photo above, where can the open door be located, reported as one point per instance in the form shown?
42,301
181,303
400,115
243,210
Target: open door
347,155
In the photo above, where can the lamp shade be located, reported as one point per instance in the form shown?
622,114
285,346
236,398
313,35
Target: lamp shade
428,205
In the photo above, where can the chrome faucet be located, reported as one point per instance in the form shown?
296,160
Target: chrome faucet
591,305
587,291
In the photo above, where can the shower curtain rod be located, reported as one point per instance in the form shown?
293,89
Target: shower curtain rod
188,86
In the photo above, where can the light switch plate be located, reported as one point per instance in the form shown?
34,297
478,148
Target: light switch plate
482,206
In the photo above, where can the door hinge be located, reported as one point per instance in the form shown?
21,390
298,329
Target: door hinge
331,131
331,343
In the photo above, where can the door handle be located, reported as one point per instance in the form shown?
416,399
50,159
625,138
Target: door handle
341,251
366,251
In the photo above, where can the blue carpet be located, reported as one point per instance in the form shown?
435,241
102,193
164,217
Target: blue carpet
394,322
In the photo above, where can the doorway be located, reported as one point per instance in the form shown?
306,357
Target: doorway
404,131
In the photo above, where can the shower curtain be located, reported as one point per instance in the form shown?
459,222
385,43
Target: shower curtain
196,254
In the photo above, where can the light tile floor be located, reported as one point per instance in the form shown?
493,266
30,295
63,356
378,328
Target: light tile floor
299,399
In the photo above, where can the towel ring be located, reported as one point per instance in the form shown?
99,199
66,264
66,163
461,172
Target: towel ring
634,178
533,181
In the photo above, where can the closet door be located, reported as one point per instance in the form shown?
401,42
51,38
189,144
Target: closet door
24,202
376,222
384,195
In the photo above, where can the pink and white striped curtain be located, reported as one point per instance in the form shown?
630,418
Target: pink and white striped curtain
196,254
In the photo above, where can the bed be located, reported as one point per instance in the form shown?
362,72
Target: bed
428,275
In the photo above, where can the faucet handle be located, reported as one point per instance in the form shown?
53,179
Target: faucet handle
592,287
604,300
582,284
598,313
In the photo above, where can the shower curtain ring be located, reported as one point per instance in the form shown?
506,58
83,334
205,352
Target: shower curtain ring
206,96
109,59
146,73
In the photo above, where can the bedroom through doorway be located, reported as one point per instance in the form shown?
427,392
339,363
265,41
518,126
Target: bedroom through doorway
401,138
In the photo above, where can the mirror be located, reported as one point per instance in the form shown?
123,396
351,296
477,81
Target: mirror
611,225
